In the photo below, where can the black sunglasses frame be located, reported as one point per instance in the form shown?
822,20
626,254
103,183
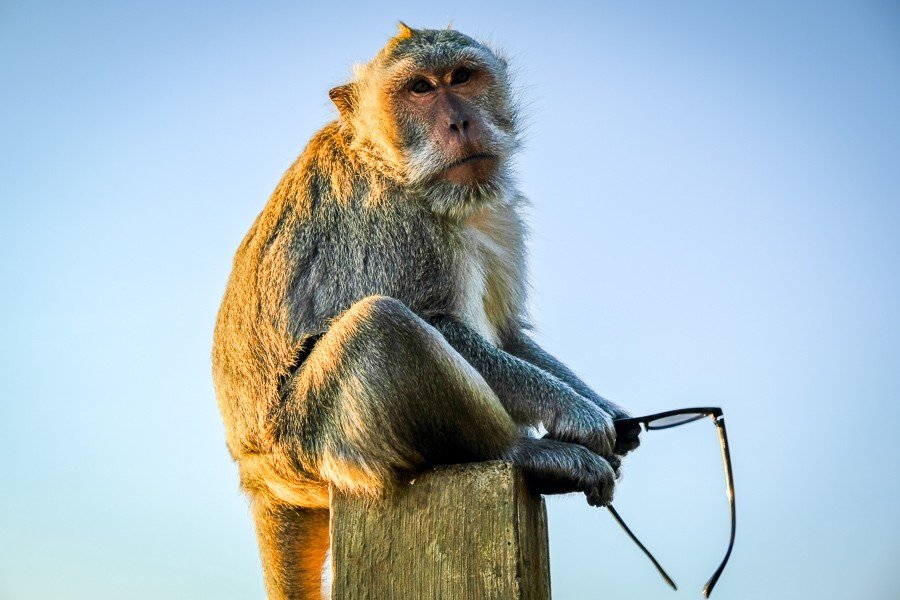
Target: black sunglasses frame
718,418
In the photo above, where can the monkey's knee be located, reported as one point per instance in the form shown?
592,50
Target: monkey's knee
399,398
377,305
380,336
380,318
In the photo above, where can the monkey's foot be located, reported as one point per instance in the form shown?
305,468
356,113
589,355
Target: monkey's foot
554,467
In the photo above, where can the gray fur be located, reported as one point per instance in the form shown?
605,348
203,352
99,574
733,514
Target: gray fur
413,290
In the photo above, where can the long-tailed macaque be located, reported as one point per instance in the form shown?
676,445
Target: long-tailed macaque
373,324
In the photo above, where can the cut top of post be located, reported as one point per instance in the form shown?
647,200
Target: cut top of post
461,532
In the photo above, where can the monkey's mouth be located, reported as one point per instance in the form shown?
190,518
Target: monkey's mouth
474,169
471,158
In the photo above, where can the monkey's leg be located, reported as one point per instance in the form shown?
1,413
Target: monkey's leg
381,395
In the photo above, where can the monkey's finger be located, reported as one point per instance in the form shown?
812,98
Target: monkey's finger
627,439
627,428
600,495
615,462
623,447
549,485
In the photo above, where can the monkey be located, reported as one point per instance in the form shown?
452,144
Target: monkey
374,321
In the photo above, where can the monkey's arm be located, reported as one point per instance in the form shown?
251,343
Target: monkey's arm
531,394
527,349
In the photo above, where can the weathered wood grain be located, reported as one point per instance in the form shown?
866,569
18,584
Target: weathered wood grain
462,532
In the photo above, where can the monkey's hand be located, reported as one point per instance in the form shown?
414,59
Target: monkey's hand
531,394
523,346
583,423
626,436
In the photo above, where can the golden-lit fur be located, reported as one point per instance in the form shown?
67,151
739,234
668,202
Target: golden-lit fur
373,321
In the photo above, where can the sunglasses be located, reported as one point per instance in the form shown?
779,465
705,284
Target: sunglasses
667,420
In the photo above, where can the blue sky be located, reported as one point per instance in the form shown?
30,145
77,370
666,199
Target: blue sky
715,221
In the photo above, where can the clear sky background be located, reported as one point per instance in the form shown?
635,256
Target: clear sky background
715,221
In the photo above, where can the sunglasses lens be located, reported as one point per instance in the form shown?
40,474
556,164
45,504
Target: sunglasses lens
674,420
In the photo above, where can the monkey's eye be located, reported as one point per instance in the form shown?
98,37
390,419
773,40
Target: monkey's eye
460,75
421,86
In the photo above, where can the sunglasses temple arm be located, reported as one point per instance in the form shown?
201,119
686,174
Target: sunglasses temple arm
729,483
643,548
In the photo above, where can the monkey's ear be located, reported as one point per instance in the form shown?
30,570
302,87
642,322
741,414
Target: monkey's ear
344,97
404,31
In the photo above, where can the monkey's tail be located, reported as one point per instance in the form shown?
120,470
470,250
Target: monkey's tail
293,543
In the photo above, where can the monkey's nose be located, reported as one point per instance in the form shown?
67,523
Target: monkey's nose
459,126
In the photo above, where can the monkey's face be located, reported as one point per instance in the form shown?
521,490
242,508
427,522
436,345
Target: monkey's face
450,132
437,105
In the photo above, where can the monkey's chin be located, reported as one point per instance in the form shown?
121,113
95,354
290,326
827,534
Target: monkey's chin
461,196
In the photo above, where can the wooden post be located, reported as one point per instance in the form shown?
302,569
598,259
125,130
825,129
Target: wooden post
462,532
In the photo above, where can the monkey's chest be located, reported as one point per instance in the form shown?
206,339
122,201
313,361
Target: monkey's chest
484,293
473,298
